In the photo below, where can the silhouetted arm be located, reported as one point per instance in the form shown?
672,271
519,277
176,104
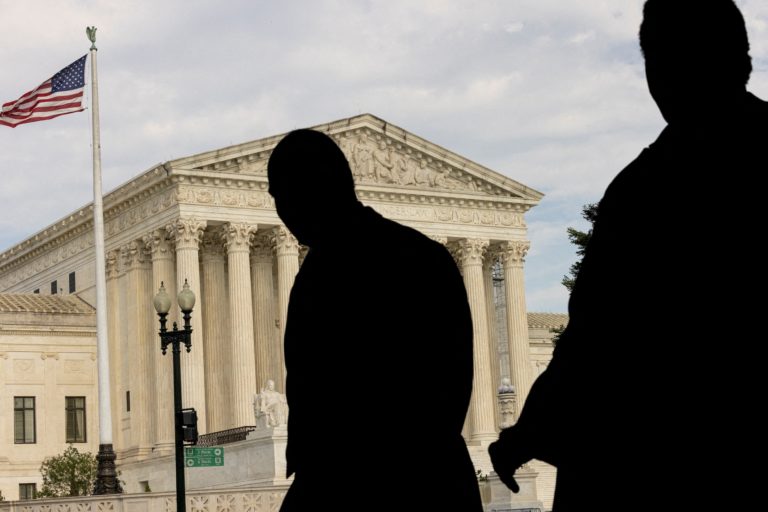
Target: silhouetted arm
552,416
534,435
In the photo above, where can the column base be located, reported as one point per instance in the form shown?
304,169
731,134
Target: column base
106,474
496,496
483,439
164,448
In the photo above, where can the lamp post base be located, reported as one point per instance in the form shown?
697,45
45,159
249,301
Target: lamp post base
106,474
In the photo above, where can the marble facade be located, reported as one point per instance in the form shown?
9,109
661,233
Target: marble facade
208,219
47,353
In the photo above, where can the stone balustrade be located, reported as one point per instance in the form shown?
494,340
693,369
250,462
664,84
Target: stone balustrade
220,500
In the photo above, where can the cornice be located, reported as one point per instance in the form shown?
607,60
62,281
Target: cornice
251,158
451,189
80,222
195,188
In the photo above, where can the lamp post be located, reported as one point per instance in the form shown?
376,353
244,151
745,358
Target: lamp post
176,337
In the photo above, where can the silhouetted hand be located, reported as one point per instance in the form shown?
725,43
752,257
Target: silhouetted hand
506,459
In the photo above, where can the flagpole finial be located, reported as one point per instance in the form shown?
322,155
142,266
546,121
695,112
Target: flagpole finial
91,31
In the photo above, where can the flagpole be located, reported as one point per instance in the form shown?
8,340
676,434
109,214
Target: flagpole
106,475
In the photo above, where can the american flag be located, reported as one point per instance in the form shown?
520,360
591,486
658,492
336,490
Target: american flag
59,95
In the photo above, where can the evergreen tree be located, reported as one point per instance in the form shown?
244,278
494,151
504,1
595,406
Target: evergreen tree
580,239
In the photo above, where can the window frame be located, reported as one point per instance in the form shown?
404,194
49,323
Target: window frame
75,409
22,410
27,485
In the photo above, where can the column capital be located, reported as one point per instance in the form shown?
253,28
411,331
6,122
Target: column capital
157,244
133,255
469,251
237,236
284,242
212,246
492,255
442,240
187,232
261,247
112,264
513,252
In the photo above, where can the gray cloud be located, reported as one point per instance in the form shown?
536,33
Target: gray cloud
550,93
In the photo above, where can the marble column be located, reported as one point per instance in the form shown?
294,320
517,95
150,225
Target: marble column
163,271
490,259
115,348
237,238
124,318
139,344
287,251
513,256
268,347
469,253
187,234
466,429
216,331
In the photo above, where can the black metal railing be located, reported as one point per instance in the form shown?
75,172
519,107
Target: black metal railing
231,435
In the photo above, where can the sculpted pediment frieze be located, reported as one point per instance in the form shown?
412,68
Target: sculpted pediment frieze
379,155
377,160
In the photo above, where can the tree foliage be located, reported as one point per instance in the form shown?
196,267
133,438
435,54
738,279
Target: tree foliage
70,474
580,239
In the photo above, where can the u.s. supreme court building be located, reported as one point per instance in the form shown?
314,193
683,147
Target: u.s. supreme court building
209,219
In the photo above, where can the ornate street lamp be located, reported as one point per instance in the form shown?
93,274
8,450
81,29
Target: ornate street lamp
176,337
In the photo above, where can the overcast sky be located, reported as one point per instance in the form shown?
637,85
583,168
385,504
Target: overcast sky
548,92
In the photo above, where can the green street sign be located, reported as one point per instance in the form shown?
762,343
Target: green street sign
195,457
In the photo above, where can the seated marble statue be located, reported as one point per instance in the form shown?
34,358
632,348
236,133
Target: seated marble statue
272,404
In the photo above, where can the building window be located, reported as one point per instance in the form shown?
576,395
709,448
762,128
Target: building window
27,491
54,287
36,290
71,282
127,401
24,419
75,411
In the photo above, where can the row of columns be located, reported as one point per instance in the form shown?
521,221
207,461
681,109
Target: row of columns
237,332
239,322
475,258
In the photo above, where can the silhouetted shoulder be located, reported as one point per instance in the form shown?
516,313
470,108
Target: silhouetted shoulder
392,236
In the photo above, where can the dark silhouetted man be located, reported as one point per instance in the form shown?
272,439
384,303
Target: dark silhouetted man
652,401
378,349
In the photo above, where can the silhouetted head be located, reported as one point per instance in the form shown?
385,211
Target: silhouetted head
313,188
696,54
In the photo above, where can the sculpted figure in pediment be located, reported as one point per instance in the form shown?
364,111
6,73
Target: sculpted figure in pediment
423,175
398,170
347,145
378,162
382,167
363,159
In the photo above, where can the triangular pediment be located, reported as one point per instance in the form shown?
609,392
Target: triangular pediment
381,155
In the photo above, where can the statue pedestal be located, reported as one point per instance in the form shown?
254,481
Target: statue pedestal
504,500
259,461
